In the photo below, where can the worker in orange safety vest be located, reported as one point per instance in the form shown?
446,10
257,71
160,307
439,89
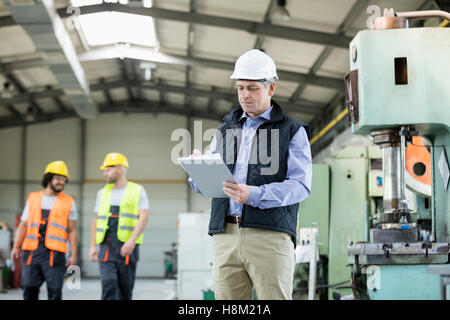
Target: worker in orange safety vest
47,224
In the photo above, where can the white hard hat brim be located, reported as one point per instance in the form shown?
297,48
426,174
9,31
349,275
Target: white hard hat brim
254,79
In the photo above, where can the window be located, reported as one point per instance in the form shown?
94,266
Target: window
104,28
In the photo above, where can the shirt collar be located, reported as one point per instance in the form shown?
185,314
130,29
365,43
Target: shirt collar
265,114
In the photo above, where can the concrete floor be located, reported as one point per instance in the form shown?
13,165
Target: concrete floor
144,289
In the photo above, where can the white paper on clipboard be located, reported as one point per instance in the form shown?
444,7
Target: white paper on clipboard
208,172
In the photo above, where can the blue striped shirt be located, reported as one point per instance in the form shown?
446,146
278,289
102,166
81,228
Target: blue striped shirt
294,189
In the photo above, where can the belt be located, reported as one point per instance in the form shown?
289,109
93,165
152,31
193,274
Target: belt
233,219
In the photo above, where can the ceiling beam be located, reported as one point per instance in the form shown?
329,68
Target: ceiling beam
190,43
124,72
134,76
347,23
47,32
284,75
259,39
263,29
22,64
162,96
20,87
26,96
305,107
14,111
140,53
258,28
62,107
10,107
147,106
8,122
316,66
107,93
143,106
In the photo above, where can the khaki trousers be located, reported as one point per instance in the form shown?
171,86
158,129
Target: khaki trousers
244,258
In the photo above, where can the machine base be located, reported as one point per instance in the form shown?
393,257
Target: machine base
393,235
402,282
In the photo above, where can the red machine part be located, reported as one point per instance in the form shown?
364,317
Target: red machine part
418,160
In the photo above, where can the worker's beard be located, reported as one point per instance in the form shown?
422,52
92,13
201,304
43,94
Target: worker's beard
111,180
55,189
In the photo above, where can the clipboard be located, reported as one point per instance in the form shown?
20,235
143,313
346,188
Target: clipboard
208,172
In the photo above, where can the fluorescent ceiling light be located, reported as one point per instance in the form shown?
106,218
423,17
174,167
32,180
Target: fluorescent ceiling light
81,3
116,27
147,3
148,74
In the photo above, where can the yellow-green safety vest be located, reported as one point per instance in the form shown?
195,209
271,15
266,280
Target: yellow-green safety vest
128,213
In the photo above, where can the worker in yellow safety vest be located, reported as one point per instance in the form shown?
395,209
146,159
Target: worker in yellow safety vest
121,214
48,222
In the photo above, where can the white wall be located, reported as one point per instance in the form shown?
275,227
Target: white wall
146,141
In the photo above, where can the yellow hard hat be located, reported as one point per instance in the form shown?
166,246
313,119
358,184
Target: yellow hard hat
113,159
57,167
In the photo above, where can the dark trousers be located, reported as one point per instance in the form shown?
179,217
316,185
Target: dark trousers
116,275
34,275
117,279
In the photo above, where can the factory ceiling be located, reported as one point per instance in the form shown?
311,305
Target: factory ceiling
62,59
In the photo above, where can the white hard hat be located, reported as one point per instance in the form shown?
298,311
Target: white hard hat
254,65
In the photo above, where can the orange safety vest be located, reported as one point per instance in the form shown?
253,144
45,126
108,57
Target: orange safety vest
57,224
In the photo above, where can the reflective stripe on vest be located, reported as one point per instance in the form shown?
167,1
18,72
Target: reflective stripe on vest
57,223
126,228
57,238
128,213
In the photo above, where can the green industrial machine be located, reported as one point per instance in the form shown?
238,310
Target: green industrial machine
355,186
344,190
315,210
397,88
347,197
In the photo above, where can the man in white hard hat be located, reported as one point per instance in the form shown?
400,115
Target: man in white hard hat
254,230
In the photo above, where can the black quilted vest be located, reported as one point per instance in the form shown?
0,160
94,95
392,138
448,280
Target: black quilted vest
283,219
